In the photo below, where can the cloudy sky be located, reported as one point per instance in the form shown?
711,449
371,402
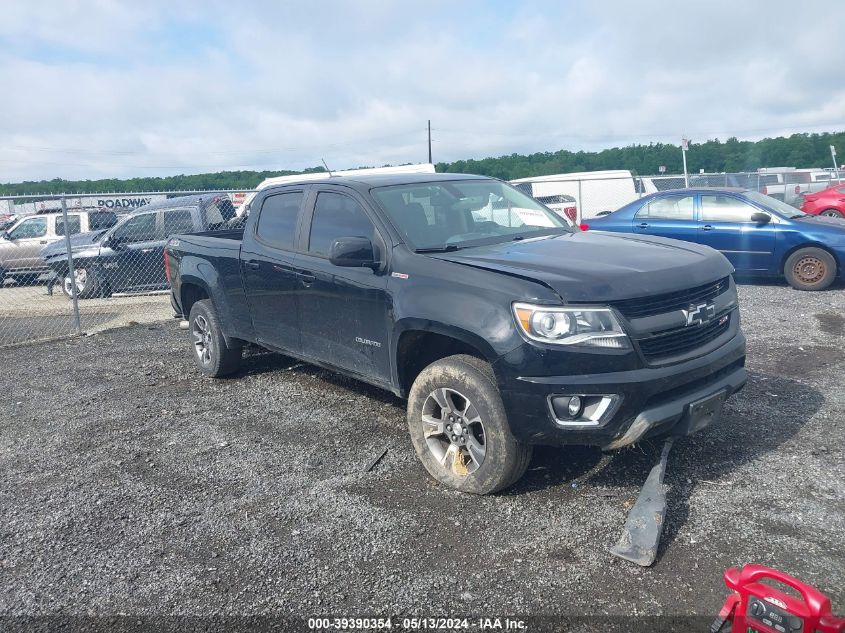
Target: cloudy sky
119,89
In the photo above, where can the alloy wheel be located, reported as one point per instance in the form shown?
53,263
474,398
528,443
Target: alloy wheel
80,277
453,431
201,335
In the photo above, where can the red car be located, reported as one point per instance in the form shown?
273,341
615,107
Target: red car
830,202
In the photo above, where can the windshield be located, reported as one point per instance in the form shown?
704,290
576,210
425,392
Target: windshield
461,213
778,206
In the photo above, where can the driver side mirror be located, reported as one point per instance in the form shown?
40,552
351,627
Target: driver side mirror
7,235
115,242
761,218
353,252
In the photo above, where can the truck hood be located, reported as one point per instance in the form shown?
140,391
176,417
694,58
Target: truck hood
599,266
78,242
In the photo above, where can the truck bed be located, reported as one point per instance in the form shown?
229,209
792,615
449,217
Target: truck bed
212,244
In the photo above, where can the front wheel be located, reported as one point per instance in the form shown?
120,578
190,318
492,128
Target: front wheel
810,269
87,284
211,354
459,428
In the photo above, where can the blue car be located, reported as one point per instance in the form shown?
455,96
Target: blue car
758,234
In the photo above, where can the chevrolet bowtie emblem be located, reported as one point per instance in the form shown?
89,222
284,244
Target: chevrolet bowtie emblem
699,314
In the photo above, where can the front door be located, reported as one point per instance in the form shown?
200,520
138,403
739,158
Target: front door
269,277
343,311
725,224
668,216
25,241
133,256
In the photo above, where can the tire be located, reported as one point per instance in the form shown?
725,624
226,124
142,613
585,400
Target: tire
210,353
832,213
87,284
810,268
464,388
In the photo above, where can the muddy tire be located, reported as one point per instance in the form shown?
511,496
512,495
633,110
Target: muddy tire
208,346
810,269
459,429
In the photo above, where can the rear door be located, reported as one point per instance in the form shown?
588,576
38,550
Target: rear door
671,215
267,267
343,311
173,222
725,224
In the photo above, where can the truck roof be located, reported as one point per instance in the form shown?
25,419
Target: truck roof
383,180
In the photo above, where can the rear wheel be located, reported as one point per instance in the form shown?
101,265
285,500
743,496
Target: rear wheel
459,428
832,213
211,354
810,269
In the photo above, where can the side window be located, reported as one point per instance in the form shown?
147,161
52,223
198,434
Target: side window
28,229
101,220
337,215
670,208
138,228
277,219
725,209
177,221
218,211
72,222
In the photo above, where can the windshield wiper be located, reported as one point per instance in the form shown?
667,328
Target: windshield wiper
447,248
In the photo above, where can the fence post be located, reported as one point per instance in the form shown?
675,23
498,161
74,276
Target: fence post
579,214
70,269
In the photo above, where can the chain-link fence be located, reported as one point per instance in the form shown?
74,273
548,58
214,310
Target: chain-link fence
78,264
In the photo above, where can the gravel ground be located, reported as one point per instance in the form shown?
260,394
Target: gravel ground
28,313
132,485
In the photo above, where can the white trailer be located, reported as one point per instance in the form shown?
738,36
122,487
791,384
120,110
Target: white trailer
594,191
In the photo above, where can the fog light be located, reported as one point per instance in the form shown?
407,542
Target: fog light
574,407
583,410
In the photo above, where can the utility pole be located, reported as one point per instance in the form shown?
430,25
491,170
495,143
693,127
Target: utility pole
684,148
429,140
832,155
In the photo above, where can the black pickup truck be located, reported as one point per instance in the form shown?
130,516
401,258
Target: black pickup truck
502,325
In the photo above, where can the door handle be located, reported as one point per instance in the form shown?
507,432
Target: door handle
643,225
146,250
707,227
42,242
254,265
307,277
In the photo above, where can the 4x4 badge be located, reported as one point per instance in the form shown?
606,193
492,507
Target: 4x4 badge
699,314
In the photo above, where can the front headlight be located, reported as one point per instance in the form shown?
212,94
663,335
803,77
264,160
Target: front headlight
594,327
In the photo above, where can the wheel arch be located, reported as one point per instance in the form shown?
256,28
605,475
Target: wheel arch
191,290
823,247
420,343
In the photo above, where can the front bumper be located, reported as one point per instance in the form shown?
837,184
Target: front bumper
653,400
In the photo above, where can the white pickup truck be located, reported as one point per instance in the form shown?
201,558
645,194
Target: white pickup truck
21,244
